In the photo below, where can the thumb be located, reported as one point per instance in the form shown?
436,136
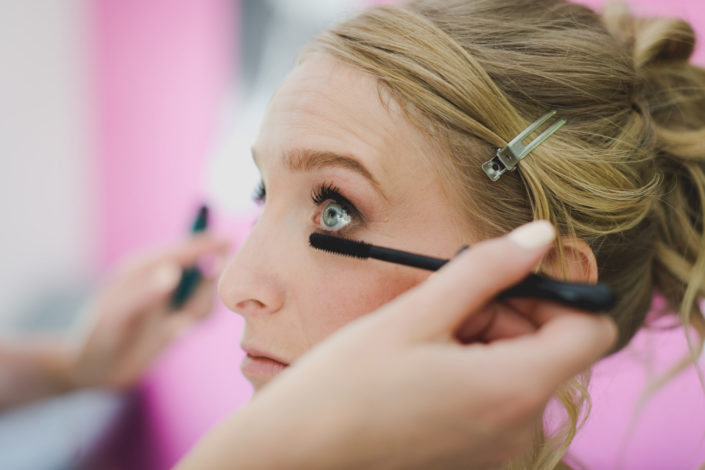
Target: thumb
436,308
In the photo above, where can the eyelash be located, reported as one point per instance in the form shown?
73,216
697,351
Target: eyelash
319,195
329,192
259,195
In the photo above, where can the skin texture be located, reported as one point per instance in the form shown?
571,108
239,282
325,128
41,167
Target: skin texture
291,295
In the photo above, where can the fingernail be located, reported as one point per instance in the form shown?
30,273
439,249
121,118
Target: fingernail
533,235
166,276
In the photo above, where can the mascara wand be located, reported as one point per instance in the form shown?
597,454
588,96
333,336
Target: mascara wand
590,297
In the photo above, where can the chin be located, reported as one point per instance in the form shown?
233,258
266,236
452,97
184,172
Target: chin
257,386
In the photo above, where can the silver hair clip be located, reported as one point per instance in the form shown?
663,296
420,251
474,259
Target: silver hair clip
508,156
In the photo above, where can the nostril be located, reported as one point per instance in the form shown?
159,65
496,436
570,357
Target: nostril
250,306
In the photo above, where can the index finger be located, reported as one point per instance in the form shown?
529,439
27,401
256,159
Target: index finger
189,251
184,254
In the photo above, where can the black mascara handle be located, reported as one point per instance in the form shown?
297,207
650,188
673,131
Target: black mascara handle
590,297
406,258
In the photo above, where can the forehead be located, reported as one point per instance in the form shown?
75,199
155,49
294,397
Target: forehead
327,105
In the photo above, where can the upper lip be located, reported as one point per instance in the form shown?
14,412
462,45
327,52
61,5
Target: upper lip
254,351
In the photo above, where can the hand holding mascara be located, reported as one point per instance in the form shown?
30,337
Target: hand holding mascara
589,297
129,320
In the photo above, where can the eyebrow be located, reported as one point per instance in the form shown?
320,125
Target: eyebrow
309,159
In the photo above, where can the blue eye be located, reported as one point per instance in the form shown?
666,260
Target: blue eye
336,211
334,216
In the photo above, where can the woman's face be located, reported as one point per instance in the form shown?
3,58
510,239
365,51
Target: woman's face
333,159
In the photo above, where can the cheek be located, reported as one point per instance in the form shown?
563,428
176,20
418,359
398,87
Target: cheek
351,294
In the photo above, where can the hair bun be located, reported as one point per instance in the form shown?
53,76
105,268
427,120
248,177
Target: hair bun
651,39
662,39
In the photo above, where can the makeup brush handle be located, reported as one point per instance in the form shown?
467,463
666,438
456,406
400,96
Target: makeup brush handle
591,297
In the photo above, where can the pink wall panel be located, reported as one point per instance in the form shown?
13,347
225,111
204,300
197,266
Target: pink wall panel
162,71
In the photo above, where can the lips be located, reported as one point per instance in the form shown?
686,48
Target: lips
260,367
256,353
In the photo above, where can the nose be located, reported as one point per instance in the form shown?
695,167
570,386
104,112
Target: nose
251,282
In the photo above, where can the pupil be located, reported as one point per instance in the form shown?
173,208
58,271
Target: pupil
330,216
334,216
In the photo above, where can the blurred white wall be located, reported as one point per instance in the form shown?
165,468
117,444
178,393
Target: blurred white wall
272,34
45,176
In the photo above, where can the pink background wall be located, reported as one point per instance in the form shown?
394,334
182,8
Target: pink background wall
162,70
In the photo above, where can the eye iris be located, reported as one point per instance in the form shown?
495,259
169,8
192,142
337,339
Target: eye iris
334,216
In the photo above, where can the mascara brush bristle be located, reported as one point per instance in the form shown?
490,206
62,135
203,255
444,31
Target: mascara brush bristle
341,246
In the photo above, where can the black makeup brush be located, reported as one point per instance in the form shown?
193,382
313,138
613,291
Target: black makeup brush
590,297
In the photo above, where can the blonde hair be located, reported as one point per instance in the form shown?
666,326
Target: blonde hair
626,174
